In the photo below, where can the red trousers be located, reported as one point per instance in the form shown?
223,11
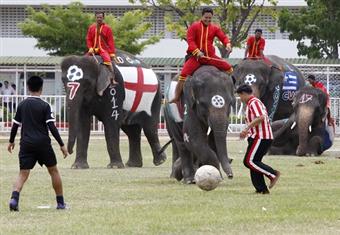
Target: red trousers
105,55
192,64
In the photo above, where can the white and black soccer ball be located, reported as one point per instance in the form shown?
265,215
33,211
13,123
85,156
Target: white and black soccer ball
250,79
207,177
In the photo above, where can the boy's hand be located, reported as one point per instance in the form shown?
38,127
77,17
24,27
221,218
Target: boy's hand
10,147
64,151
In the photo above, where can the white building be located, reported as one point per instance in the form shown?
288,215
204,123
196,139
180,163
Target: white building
14,43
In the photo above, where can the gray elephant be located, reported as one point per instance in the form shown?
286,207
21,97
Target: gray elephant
134,108
275,84
207,96
306,131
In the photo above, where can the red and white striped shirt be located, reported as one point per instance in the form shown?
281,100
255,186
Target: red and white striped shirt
255,108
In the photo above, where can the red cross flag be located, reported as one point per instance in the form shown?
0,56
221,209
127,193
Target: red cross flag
141,85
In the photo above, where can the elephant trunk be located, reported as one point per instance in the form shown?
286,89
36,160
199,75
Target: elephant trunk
304,122
219,124
73,120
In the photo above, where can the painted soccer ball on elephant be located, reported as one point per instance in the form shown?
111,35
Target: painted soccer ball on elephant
207,177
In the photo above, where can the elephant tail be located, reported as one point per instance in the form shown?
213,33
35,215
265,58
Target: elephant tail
165,147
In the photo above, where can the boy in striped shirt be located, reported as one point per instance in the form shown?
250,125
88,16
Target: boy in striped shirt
260,137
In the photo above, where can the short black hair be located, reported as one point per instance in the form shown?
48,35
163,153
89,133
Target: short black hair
207,10
35,83
244,89
311,77
99,12
258,30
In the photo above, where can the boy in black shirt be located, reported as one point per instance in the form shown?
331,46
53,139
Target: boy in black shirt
35,118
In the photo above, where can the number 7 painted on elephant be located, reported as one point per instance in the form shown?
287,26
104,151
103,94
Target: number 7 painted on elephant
73,89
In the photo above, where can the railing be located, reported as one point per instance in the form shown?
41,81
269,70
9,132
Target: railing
8,106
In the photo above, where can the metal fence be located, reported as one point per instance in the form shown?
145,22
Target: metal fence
8,107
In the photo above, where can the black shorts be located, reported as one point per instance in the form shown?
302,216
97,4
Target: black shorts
30,155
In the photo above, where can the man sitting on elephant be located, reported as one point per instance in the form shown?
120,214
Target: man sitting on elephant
255,47
100,41
200,38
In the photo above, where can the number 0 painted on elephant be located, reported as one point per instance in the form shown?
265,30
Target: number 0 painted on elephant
217,101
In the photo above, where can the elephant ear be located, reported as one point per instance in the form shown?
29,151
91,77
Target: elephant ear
103,80
188,92
275,77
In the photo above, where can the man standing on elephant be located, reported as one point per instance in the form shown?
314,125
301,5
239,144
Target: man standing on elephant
201,50
99,40
260,137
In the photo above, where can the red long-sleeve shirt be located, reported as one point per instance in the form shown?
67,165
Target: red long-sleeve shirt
103,42
201,38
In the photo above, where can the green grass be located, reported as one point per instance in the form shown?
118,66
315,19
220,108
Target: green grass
145,200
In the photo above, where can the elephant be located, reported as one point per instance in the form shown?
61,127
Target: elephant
132,105
306,131
206,101
274,84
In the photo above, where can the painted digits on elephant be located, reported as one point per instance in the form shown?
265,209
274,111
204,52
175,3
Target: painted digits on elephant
306,132
274,85
208,95
132,109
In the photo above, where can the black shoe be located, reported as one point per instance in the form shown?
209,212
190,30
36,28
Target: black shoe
61,206
262,192
13,205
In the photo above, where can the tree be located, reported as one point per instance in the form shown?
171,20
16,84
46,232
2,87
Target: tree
319,22
234,16
62,30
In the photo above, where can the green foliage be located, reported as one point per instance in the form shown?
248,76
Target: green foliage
62,30
319,22
235,17
129,29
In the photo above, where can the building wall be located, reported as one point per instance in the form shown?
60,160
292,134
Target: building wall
14,43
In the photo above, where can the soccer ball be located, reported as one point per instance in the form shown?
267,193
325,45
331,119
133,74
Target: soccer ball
250,79
207,177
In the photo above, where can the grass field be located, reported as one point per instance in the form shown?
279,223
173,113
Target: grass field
145,200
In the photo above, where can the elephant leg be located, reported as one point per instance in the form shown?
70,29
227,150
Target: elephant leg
151,134
83,137
175,158
112,144
134,134
187,166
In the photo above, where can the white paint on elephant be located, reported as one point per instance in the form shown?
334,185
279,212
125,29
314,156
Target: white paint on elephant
74,73
305,98
186,137
141,86
114,113
250,79
173,107
217,101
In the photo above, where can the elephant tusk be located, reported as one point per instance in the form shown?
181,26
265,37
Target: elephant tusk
292,127
310,128
240,111
209,130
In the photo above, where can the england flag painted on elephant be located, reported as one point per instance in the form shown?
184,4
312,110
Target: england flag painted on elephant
141,85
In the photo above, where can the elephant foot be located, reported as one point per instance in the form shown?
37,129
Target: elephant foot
160,159
189,180
177,170
118,165
300,152
133,164
80,165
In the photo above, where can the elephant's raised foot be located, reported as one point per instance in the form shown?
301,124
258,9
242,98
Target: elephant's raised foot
133,164
189,180
80,165
160,159
115,165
